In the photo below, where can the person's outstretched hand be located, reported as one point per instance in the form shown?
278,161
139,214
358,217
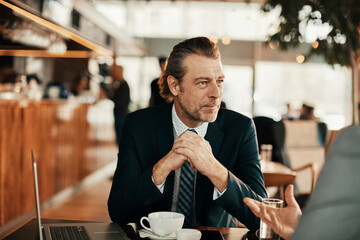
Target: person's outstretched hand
282,220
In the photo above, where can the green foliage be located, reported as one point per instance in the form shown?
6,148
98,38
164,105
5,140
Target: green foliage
342,15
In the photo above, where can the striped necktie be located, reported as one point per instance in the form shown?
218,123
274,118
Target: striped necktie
186,192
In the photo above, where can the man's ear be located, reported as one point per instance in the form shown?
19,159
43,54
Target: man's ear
173,84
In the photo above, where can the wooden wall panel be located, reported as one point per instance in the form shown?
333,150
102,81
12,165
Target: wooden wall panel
58,131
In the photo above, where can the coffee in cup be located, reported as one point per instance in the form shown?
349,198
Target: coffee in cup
163,223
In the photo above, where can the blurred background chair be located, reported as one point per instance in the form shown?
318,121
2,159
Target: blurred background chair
302,148
265,135
275,179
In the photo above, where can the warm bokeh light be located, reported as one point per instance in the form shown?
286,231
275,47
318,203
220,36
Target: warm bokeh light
300,58
315,44
271,45
226,40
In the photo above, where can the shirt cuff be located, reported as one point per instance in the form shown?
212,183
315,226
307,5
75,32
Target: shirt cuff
161,186
217,193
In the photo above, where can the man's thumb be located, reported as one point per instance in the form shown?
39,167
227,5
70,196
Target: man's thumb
289,195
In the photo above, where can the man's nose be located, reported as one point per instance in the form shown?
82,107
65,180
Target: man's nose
215,90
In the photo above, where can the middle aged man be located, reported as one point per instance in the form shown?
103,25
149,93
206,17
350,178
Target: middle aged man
164,167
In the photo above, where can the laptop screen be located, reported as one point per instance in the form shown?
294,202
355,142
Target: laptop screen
36,189
103,231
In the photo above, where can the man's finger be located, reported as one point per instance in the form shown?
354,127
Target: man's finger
275,224
185,144
264,214
191,165
252,201
184,151
253,205
181,143
273,216
179,155
289,195
188,135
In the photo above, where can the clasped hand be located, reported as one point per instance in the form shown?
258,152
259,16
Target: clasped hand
197,151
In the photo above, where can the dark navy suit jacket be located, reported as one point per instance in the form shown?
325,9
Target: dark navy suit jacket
148,136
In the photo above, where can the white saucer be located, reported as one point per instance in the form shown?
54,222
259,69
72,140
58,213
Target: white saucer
147,234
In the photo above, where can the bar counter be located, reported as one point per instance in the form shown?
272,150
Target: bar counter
71,140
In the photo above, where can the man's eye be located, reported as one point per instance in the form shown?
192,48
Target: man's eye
202,83
220,81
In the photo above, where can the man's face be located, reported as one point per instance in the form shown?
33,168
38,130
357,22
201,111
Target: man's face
197,98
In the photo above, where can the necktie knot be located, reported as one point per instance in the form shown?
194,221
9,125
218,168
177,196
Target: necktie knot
192,130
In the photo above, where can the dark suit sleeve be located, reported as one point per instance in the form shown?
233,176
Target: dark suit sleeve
245,180
133,191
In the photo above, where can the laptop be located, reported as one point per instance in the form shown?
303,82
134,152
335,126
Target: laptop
79,230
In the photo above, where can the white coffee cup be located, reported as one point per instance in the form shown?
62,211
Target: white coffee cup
163,223
188,234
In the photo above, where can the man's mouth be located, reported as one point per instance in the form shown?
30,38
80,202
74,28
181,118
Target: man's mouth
210,106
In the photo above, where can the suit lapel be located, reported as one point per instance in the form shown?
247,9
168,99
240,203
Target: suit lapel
215,136
164,131
165,138
204,186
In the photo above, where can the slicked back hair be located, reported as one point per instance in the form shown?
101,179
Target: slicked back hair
175,67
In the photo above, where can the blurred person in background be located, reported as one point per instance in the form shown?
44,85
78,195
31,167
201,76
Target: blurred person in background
103,91
120,95
307,112
81,83
34,87
155,98
290,114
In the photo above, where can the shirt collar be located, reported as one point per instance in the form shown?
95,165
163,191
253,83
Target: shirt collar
180,127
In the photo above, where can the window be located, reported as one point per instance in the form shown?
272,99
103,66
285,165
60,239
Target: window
237,93
327,89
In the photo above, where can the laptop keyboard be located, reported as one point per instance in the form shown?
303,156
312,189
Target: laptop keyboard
69,233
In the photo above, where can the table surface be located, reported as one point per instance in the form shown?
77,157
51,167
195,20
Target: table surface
30,231
275,167
276,174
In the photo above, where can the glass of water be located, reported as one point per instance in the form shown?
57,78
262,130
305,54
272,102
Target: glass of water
266,233
266,152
